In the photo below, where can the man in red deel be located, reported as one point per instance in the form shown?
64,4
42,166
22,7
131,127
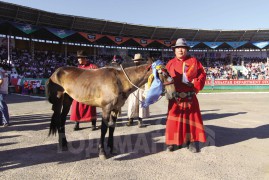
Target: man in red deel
81,112
184,124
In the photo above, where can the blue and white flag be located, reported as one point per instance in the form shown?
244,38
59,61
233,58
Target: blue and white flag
156,87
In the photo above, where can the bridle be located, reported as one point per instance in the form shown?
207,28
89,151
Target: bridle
159,68
162,70
129,78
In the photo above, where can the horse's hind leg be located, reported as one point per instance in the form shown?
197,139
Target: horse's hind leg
67,101
110,142
102,153
104,126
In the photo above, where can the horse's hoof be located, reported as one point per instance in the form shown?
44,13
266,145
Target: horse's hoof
63,148
113,152
102,154
102,157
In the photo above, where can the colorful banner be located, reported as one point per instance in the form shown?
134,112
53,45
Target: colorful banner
213,45
91,37
26,28
167,43
61,33
236,44
261,44
143,42
238,82
118,40
192,43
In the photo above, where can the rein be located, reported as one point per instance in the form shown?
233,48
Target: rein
129,79
164,84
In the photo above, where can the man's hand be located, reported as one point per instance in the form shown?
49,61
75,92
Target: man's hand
189,84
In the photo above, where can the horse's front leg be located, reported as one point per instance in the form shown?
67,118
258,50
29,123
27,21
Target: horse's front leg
62,139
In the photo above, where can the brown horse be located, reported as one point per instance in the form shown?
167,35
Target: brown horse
107,88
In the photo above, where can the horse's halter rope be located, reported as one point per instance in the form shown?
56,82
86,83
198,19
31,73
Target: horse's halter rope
138,87
129,79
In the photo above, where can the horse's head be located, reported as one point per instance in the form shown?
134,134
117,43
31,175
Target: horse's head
166,79
159,82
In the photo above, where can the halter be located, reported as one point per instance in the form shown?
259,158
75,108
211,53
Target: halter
158,68
129,78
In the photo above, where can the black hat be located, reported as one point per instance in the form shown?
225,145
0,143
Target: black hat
81,54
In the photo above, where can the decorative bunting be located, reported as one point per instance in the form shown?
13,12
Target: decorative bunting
61,33
192,43
26,28
174,42
213,45
29,29
236,44
91,37
143,42
261,44
167,43
118,40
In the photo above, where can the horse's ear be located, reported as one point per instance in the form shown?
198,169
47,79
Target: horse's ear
150,60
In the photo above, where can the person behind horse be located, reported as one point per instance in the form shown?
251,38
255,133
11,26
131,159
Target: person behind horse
184,121
134,108
116,61
81,112
3,106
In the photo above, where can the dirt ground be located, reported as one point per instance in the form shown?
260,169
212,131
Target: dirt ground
237,127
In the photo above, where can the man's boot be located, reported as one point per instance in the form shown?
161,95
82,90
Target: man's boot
130,122
194,147
76,128
140,123
94,125
170,148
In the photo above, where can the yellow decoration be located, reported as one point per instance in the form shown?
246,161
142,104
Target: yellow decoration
150,80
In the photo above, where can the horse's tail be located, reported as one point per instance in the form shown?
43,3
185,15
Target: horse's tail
48,90
51,94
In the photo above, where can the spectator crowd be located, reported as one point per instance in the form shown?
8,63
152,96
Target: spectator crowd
44,63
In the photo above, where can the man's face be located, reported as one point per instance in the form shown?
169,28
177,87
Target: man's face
181,52
81,60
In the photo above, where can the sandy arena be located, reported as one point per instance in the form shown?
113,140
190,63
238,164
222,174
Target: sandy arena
237,127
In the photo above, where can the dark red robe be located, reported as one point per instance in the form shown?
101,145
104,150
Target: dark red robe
184,120
81,112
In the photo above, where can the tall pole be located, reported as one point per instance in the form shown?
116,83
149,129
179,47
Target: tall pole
8,53
65,53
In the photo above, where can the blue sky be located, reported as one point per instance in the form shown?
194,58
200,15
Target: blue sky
189,14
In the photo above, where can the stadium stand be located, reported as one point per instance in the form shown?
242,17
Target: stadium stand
39,42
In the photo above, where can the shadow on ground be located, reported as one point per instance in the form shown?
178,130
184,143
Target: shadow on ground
130,146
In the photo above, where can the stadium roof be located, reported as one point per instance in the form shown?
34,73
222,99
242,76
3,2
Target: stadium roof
22,14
